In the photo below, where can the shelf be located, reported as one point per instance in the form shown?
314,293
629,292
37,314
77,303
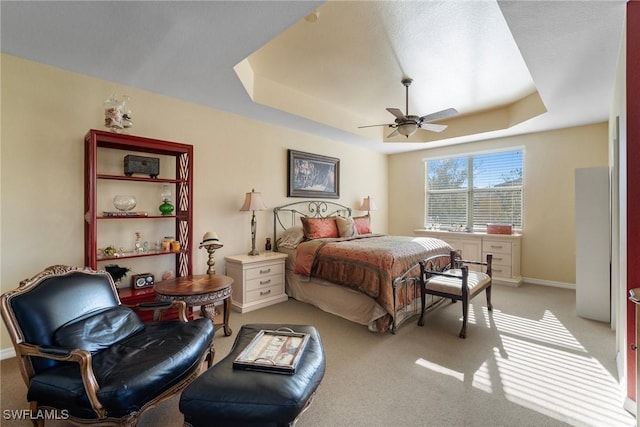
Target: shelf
142,255
181,155
139,178
136,216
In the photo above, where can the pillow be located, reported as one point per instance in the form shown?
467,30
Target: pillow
291,237
363,224
319,228
346,227
99,330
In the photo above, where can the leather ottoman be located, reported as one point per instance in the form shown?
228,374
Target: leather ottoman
225,396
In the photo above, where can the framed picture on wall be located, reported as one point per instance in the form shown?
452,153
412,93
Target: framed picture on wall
313,175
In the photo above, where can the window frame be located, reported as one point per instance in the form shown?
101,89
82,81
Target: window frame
469,191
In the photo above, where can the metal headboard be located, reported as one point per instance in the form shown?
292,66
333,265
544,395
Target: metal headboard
288,215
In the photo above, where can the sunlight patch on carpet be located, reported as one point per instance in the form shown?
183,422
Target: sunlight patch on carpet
539,364
440,369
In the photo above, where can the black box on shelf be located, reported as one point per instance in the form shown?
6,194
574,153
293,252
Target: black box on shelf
140,164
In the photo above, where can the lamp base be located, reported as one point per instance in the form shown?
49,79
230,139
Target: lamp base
254,252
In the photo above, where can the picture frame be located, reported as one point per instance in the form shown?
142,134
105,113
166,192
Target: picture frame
276,351
313,175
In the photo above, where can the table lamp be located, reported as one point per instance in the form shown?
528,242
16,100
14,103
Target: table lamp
253,202
368,205
211,242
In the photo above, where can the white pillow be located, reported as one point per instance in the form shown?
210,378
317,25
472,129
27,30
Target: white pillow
346,227
291,237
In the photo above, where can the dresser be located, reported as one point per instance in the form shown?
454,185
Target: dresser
505,249
258,280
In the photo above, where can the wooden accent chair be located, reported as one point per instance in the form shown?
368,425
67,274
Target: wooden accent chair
89,359
455,282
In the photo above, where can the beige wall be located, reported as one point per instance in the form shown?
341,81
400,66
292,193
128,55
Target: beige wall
46,113
548,246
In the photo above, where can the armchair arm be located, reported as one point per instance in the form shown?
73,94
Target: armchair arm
82,357
459,262
181,306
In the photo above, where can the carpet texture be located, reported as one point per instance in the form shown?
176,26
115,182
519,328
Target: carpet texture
532,362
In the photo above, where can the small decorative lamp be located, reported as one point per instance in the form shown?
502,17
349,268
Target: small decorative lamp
166,208
368,205
253,202
211,242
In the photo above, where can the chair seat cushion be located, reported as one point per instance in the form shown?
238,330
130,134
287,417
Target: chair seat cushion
99,330
131,371
476,282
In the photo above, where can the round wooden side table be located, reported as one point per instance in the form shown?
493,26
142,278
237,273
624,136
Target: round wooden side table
199,290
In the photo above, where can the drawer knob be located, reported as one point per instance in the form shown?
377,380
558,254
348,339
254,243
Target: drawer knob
265,282
268,270
267,292
496,246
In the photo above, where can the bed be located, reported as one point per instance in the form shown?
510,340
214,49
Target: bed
337,264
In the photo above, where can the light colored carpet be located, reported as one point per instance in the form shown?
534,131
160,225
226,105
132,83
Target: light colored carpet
532,362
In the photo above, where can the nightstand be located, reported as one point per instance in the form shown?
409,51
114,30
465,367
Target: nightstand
258,280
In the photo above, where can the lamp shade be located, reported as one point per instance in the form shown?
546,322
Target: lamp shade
253,202
368,204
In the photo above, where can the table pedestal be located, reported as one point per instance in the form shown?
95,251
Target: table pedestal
200,290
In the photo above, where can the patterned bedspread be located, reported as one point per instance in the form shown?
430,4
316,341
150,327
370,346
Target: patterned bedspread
367,263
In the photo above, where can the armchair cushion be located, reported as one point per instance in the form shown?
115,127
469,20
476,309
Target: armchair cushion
97,331
129,372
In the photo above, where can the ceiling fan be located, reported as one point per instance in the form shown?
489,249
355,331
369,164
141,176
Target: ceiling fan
407,125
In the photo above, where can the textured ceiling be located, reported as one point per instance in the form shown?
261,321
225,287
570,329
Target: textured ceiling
509,67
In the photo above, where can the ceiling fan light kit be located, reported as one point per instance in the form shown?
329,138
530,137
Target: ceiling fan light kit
407,125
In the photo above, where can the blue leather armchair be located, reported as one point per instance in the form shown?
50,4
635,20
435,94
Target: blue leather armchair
86,355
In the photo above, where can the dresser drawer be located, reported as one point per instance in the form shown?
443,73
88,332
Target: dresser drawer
496,246
500,270
498,258
262,293
273,269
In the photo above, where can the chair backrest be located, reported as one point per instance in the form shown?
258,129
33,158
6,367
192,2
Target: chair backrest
52,298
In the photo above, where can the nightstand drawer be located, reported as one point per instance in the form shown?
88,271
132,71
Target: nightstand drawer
273,269
496,247
264,282
262,293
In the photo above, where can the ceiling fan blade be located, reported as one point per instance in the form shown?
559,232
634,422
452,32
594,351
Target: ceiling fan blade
394,133
370,126
396,112
439,115
433,127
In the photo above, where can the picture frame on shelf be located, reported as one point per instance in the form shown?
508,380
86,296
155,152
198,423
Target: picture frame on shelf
313,175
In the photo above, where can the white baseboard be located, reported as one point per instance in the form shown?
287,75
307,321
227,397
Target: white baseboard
551,283
7,353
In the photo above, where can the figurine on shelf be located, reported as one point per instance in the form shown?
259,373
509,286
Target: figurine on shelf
138,246
109,251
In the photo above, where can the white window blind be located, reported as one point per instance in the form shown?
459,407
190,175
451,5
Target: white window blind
475,190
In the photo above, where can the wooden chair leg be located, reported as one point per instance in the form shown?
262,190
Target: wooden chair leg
465,310
488,292
423,291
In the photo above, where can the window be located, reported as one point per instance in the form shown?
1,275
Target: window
472,191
